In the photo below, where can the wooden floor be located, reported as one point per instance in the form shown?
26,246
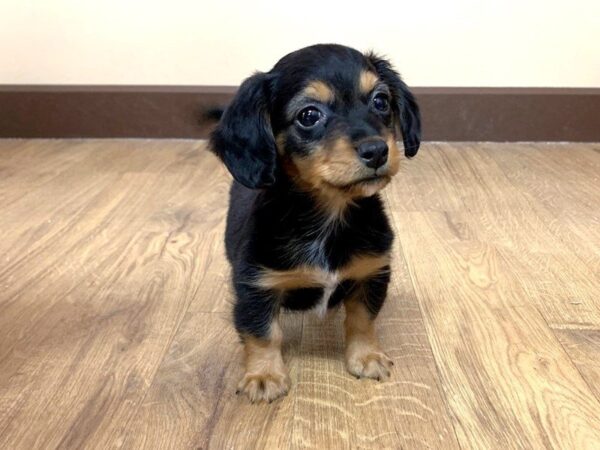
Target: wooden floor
114,306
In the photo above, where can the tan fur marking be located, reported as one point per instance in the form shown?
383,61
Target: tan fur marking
280,143
366,190
367,82
333,201
359,267
363,266
266,377
364,357
335,163
393,155
332,163
300,277
343,164
318,90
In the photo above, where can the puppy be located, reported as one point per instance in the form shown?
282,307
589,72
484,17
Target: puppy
310,144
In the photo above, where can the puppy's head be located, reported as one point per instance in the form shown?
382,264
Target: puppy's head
325,117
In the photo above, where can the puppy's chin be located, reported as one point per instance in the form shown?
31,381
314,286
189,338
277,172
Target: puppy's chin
362,187
369,188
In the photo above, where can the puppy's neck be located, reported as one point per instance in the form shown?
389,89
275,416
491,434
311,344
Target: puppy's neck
331,203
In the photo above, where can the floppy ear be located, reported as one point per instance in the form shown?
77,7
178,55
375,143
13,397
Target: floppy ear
244,139
404,102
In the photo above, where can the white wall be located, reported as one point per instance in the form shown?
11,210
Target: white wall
433,43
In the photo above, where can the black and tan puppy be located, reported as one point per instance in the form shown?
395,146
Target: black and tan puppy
310,144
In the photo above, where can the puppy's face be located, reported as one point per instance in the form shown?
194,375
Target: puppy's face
336,131
326,117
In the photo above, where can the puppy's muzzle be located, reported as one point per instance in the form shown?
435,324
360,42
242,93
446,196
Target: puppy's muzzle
373,153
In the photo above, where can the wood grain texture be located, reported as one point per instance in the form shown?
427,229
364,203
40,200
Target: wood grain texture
115,324
495,352
582,346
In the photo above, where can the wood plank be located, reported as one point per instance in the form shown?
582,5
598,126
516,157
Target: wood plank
507,379
115,313
422,183
522,231
564,180
119,333
87,234
583,347
562,277
115,323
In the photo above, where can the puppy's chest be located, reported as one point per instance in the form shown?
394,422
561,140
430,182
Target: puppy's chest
329,250
313,252
314,282
315,265
317,298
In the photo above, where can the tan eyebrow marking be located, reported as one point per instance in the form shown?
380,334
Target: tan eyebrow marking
367,81
320,91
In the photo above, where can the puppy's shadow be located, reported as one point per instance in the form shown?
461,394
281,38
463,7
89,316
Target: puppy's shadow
309,336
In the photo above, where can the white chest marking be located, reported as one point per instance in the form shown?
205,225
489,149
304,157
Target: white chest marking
330,284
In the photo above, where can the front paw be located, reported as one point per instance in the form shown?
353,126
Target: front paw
368,363
266,386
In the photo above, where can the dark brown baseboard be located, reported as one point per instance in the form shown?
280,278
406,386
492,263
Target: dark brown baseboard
449,114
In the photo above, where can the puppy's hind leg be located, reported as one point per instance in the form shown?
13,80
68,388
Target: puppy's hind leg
266,377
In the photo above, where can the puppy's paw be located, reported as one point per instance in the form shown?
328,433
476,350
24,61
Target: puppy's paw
369,363
266,386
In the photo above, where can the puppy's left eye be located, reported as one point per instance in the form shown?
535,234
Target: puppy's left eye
381,102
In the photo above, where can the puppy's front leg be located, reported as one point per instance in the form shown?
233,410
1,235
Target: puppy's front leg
364,357
266,377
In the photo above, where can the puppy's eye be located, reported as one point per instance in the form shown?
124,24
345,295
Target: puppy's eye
381,102
309,117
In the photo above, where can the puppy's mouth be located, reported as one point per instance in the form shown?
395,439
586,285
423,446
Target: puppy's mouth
365,181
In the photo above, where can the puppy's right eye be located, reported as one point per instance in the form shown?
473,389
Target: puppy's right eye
309,117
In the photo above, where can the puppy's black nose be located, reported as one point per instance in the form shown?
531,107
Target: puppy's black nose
373,154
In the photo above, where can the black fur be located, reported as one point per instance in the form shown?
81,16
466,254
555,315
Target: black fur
244,138
271,221
405,105
261,226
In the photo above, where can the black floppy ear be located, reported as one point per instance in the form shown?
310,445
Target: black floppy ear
404,103
244,139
